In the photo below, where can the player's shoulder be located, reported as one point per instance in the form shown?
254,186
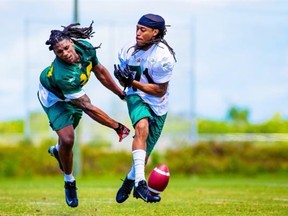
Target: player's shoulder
86,43
85,47
161,48
161,51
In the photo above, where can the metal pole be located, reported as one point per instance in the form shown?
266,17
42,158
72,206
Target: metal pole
77,152
193,116
27,132
75,15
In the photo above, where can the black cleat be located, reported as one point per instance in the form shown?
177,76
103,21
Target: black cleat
142,192
125,190
71,194
54,153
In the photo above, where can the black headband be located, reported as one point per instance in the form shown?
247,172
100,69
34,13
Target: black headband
152,21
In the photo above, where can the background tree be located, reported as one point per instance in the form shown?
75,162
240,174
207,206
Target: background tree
238,115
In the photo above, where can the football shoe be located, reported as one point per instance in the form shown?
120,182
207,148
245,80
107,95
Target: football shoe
125,190
71,194
142,192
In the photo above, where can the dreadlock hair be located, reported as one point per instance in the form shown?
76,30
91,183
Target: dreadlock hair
159,38
71,32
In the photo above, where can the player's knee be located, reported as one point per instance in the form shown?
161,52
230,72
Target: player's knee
142,126
67,141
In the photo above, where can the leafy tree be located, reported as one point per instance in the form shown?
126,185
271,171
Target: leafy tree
238,115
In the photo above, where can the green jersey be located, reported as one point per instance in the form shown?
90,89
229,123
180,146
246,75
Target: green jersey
65,81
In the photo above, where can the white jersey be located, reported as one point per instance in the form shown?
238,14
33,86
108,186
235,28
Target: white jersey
158,62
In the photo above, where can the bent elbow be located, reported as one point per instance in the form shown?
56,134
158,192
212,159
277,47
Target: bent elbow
160,93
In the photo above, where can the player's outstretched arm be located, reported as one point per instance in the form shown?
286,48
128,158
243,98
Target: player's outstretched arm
100,116
103,75
94,112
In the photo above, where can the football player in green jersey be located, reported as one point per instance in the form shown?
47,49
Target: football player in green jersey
64,100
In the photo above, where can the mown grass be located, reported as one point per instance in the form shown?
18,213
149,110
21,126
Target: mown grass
217,195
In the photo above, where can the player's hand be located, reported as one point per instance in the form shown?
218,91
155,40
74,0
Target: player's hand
122,131
125,76
122,96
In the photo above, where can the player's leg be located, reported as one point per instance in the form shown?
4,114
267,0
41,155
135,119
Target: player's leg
138,112
139,155
155,130
66,140
139,149
64,117
53,151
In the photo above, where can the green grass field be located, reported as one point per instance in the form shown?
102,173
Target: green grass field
262,195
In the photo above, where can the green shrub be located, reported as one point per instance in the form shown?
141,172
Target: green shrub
204,158
232,158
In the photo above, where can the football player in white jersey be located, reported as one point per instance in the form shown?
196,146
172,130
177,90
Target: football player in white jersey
145,68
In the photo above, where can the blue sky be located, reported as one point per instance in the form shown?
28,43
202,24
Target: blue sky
229,52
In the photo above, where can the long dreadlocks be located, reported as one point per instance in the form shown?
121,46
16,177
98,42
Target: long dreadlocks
155,22
156,40
71,32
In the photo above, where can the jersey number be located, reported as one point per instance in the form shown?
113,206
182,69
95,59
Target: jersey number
138,74
85,77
